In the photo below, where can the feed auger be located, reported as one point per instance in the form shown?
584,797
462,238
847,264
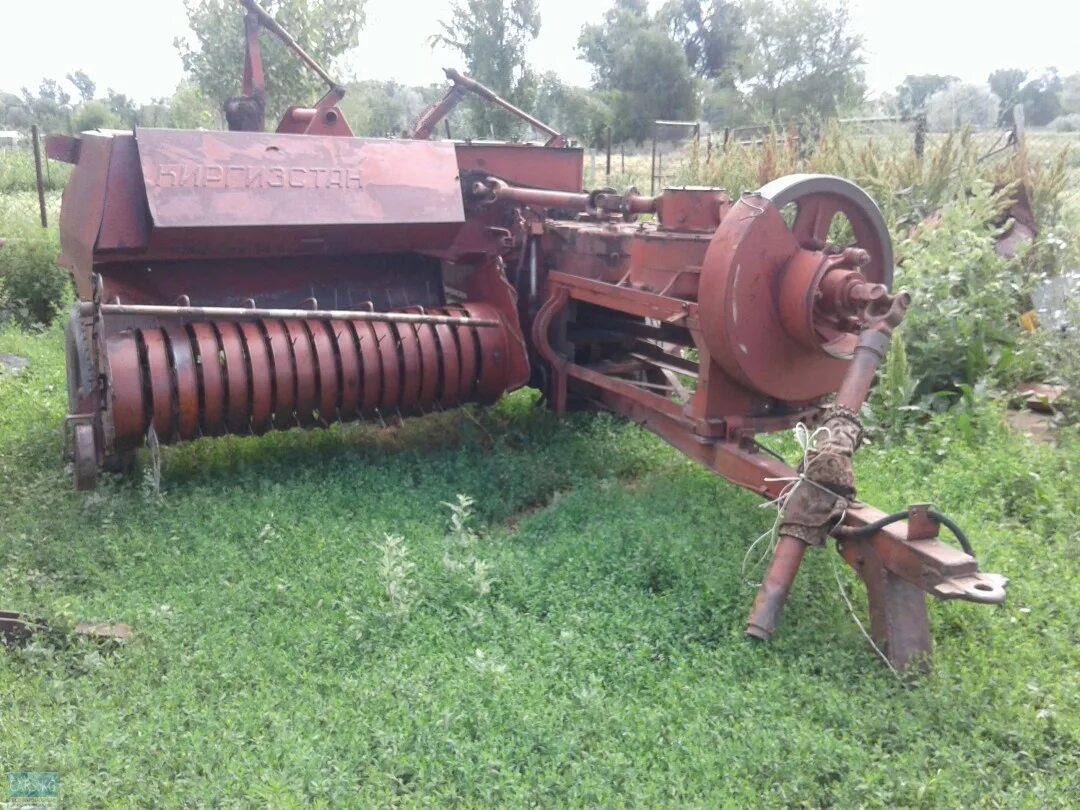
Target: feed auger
245,281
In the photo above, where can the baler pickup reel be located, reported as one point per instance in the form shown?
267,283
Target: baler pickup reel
245,281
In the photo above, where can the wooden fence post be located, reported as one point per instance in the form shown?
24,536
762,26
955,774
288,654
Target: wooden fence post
920,135
40,177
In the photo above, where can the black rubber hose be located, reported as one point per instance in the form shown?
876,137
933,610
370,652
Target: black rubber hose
846,532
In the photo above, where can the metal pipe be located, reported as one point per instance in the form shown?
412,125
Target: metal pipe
87,309
870,351
770,599
488,94
274,27
495,189
532,269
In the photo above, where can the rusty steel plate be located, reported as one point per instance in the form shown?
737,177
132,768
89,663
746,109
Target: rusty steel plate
197,179
236,376
211,378
126,405
187,383
349,379
325,370
451,364
431,363
370,366
469,352
492,372
262,376
412,370
281,361
304,368
390,363
161,382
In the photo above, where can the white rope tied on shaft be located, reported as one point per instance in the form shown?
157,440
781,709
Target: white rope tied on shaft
808,444
807,440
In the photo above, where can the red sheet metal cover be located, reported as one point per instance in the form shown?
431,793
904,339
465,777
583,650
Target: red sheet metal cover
238,179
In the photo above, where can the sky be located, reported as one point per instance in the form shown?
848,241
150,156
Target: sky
128,44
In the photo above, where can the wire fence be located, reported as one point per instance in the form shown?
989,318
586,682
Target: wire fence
652,164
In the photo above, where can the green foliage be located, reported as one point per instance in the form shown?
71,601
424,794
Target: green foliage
385,109
1041,95
913,93
189,108
710,32
962,105
963,326
93,115
492,37
49,108
800,57
325,29
1070,94
85,86
33,288
605,667
574,111
1005,84
1066,123
1041,99
641,70
17,175
1060,350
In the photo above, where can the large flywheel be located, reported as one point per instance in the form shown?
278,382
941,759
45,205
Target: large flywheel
789,277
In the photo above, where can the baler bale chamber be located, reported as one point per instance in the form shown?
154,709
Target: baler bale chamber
238,282
245,281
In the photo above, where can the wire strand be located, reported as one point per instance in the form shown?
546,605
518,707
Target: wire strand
859,624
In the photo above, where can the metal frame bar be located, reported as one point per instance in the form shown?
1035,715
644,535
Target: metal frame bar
88,308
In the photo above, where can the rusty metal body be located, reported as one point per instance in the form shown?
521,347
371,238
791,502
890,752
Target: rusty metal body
244,281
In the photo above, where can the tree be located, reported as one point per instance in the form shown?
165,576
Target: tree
215,61
962,105
710,32
381,108
1041,98
1006,84
50,109
83,84
801,57
1070,94
190,109
93,115
913,93
14,114
574,111
599,45
640,69
724,107
492,36
124,110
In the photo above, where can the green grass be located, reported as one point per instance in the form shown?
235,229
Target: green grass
605,667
